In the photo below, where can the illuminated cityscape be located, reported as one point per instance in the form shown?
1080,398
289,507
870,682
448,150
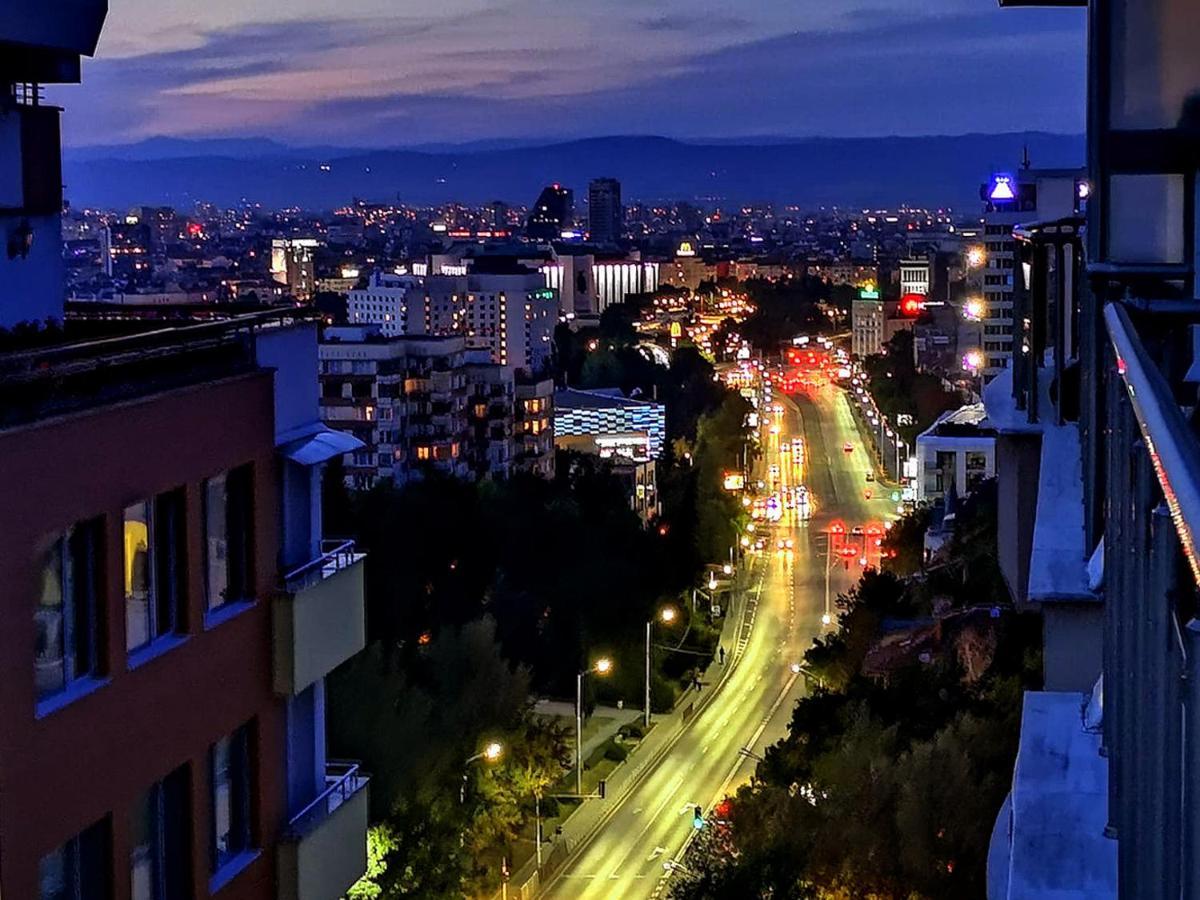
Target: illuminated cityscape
787,491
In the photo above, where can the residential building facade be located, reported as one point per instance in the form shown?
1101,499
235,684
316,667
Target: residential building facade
1099,449
165,698
533,426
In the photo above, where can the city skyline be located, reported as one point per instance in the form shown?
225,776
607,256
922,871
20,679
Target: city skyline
470,70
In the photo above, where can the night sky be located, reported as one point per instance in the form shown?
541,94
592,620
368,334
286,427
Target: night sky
400,72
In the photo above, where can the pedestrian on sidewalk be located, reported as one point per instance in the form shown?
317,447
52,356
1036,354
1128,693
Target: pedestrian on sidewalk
721,648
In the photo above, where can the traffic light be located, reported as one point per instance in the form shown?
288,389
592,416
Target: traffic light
698,818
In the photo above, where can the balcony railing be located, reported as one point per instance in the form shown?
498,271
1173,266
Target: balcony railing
335,556
1172,445
343,780
323,851
319,618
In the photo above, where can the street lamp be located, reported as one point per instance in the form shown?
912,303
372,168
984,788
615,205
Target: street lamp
667,615
602,666
491,753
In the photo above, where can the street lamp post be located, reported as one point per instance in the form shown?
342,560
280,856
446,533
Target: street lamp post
668,615
537,815
490,753
602,667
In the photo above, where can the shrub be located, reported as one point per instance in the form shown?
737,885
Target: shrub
616,752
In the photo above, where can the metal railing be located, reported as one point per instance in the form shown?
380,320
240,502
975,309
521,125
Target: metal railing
342,781
1172,446
335,556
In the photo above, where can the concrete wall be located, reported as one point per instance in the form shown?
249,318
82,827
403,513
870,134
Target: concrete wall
1073,639
1018,459
292,352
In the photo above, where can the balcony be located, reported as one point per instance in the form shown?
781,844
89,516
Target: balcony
319,618
324,850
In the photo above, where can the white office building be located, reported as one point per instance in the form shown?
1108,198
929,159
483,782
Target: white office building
384,302
959,449
915,276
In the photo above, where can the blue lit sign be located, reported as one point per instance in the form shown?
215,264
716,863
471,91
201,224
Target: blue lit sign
1002,189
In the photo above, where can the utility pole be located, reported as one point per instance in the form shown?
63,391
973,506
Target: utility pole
649,625
579,733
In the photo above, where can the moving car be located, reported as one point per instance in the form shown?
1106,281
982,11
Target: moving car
870,476
857,529
848,447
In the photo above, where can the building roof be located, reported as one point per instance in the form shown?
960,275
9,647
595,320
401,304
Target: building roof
599,398
69,376
966,421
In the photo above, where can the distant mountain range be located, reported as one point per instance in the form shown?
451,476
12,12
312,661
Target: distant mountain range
853,172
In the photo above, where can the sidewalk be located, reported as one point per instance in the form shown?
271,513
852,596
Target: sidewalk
603,723
580,826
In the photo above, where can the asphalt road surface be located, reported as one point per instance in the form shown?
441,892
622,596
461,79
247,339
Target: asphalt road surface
626,858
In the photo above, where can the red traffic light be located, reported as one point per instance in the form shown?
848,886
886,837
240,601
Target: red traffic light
912,305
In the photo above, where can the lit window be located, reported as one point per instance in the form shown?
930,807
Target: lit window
423,453
154,550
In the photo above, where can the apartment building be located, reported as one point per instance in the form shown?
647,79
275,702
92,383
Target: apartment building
164,703
170,612
1097,449
491,399
404,398
533,426
500,306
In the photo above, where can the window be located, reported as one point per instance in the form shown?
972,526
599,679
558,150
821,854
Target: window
67,617
153,533
230,765
79,869
423,452
229,537
159,862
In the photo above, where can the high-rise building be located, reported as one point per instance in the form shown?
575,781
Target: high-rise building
1009,199
1098,464
499,216
292,264
606,216
553,211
